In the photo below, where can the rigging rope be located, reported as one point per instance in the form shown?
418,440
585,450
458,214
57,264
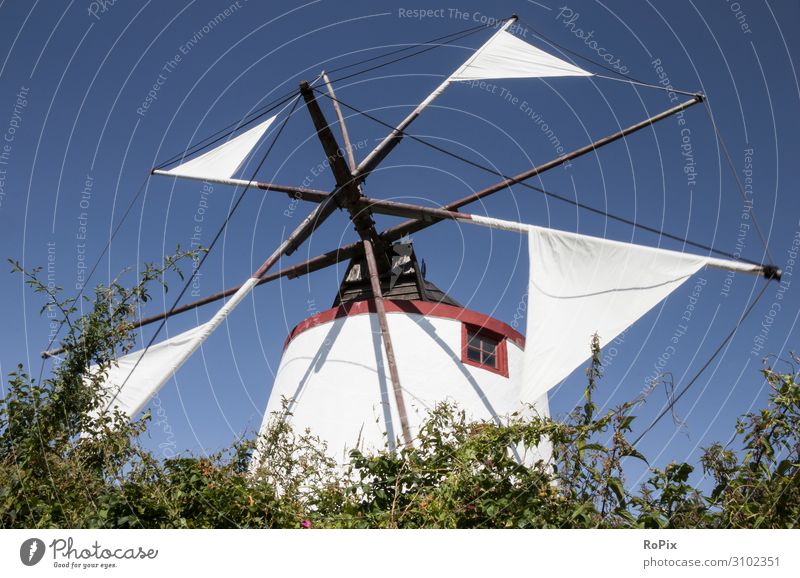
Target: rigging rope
464,35
692,381
738,181
622,76
245,121
548,193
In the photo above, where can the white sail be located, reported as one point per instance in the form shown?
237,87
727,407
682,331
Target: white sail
581,285
224,161
506,56
129,390
502,56
140,374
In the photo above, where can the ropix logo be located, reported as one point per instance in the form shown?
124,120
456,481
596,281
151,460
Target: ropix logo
32,551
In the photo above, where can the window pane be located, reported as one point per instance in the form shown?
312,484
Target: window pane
473,354
482,347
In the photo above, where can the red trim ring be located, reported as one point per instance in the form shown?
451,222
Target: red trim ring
427,308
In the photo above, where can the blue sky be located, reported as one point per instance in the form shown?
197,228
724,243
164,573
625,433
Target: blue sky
74,87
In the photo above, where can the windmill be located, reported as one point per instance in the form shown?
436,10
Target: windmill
393,343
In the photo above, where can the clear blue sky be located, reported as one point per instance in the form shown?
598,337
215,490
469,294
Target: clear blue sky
84,71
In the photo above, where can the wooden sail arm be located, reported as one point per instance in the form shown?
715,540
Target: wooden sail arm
403,229
417,223
351,159
386,338
303,193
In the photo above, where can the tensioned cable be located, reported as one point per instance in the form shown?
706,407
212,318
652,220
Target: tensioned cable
692,381
267,108
245,121
397,51
738,181
429,48
648,85
621,77
550,193
576,54
210,247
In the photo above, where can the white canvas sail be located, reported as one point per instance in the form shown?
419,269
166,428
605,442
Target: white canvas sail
506,56
140,374
581,285
225,160
502,56
129,390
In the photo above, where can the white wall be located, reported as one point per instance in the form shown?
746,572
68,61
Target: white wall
331,373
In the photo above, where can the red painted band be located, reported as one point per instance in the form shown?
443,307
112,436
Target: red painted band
427,308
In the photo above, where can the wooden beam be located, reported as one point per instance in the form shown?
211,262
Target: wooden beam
351,159
350,191
403,229
387,340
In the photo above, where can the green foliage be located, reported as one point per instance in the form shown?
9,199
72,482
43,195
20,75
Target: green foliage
65,463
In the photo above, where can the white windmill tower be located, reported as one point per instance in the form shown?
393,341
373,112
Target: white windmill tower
393,344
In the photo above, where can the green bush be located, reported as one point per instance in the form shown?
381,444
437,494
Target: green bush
63,466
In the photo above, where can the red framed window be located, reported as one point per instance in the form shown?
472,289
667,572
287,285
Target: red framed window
484,348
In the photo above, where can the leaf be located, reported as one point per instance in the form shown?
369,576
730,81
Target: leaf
615,484
634,453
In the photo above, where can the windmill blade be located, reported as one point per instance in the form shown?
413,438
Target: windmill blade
224,160
506,56
427,214
581,286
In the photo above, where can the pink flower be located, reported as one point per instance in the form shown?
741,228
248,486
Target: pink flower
305,524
